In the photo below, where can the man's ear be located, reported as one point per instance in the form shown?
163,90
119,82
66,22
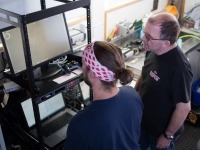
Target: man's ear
166,43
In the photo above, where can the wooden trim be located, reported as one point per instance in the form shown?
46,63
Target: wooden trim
76,21
121,5
105,24
113,9
182,9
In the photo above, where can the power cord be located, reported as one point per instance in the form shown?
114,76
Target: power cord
73,97
60,61
14,147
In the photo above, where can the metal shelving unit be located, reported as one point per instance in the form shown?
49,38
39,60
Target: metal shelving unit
12,20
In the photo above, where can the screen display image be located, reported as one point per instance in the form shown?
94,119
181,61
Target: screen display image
46,108
51,106
14,46
27,107
48,39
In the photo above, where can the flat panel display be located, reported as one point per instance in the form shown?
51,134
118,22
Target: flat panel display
46,108
48,39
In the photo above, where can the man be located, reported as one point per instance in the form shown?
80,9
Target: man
164,85
112,120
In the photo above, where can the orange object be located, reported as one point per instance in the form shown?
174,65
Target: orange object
116,31
172,9
111,34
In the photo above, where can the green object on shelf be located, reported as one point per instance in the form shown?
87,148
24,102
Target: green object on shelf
136,24
189,36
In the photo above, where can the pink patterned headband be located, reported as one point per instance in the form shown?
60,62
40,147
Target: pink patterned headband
92,63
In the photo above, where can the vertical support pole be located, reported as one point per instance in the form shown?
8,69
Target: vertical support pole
89,38
43,4
155,5
32,86
88,24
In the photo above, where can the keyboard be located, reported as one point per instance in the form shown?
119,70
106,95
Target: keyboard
56,124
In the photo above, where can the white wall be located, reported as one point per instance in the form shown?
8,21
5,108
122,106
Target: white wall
131,12
10,5
30,7
97,12
189,4
97,20
14,6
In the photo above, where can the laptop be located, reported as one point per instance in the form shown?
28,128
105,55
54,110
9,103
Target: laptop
2,142
54,116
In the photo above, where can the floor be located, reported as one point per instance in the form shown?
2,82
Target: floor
189,139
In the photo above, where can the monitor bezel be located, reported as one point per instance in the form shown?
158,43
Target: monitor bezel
26,50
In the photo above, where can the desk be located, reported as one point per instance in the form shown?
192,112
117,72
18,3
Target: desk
189,31
190,47
136,64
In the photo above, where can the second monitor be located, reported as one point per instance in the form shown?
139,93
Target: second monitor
48,40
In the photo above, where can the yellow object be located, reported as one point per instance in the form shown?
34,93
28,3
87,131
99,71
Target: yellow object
111,34
173,10
192,118
116,31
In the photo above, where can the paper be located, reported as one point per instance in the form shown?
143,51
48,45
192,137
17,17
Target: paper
77,71
64,78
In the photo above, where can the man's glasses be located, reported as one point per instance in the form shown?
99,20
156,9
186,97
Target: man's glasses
149,37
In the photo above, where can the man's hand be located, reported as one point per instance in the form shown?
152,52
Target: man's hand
162,142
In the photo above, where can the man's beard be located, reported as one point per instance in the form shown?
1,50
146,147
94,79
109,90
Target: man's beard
86,79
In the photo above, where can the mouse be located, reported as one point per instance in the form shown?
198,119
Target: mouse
65,69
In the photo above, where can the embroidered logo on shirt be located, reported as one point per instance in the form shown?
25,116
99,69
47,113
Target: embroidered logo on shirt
153,74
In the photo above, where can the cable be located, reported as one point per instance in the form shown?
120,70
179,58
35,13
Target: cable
59,60
3,60
2,77
189,35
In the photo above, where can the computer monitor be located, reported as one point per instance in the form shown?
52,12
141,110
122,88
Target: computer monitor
48,40
2,142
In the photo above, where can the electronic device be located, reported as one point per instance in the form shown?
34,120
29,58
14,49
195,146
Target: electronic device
48,39
11,86
123,28
69,67
1,46
65,69
127,53
85,89
73,65
53,114
2,142
77,36
77,56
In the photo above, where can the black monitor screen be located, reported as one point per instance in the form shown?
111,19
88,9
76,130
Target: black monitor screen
48,39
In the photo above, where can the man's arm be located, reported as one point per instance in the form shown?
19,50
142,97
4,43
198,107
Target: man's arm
178,117
138,83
